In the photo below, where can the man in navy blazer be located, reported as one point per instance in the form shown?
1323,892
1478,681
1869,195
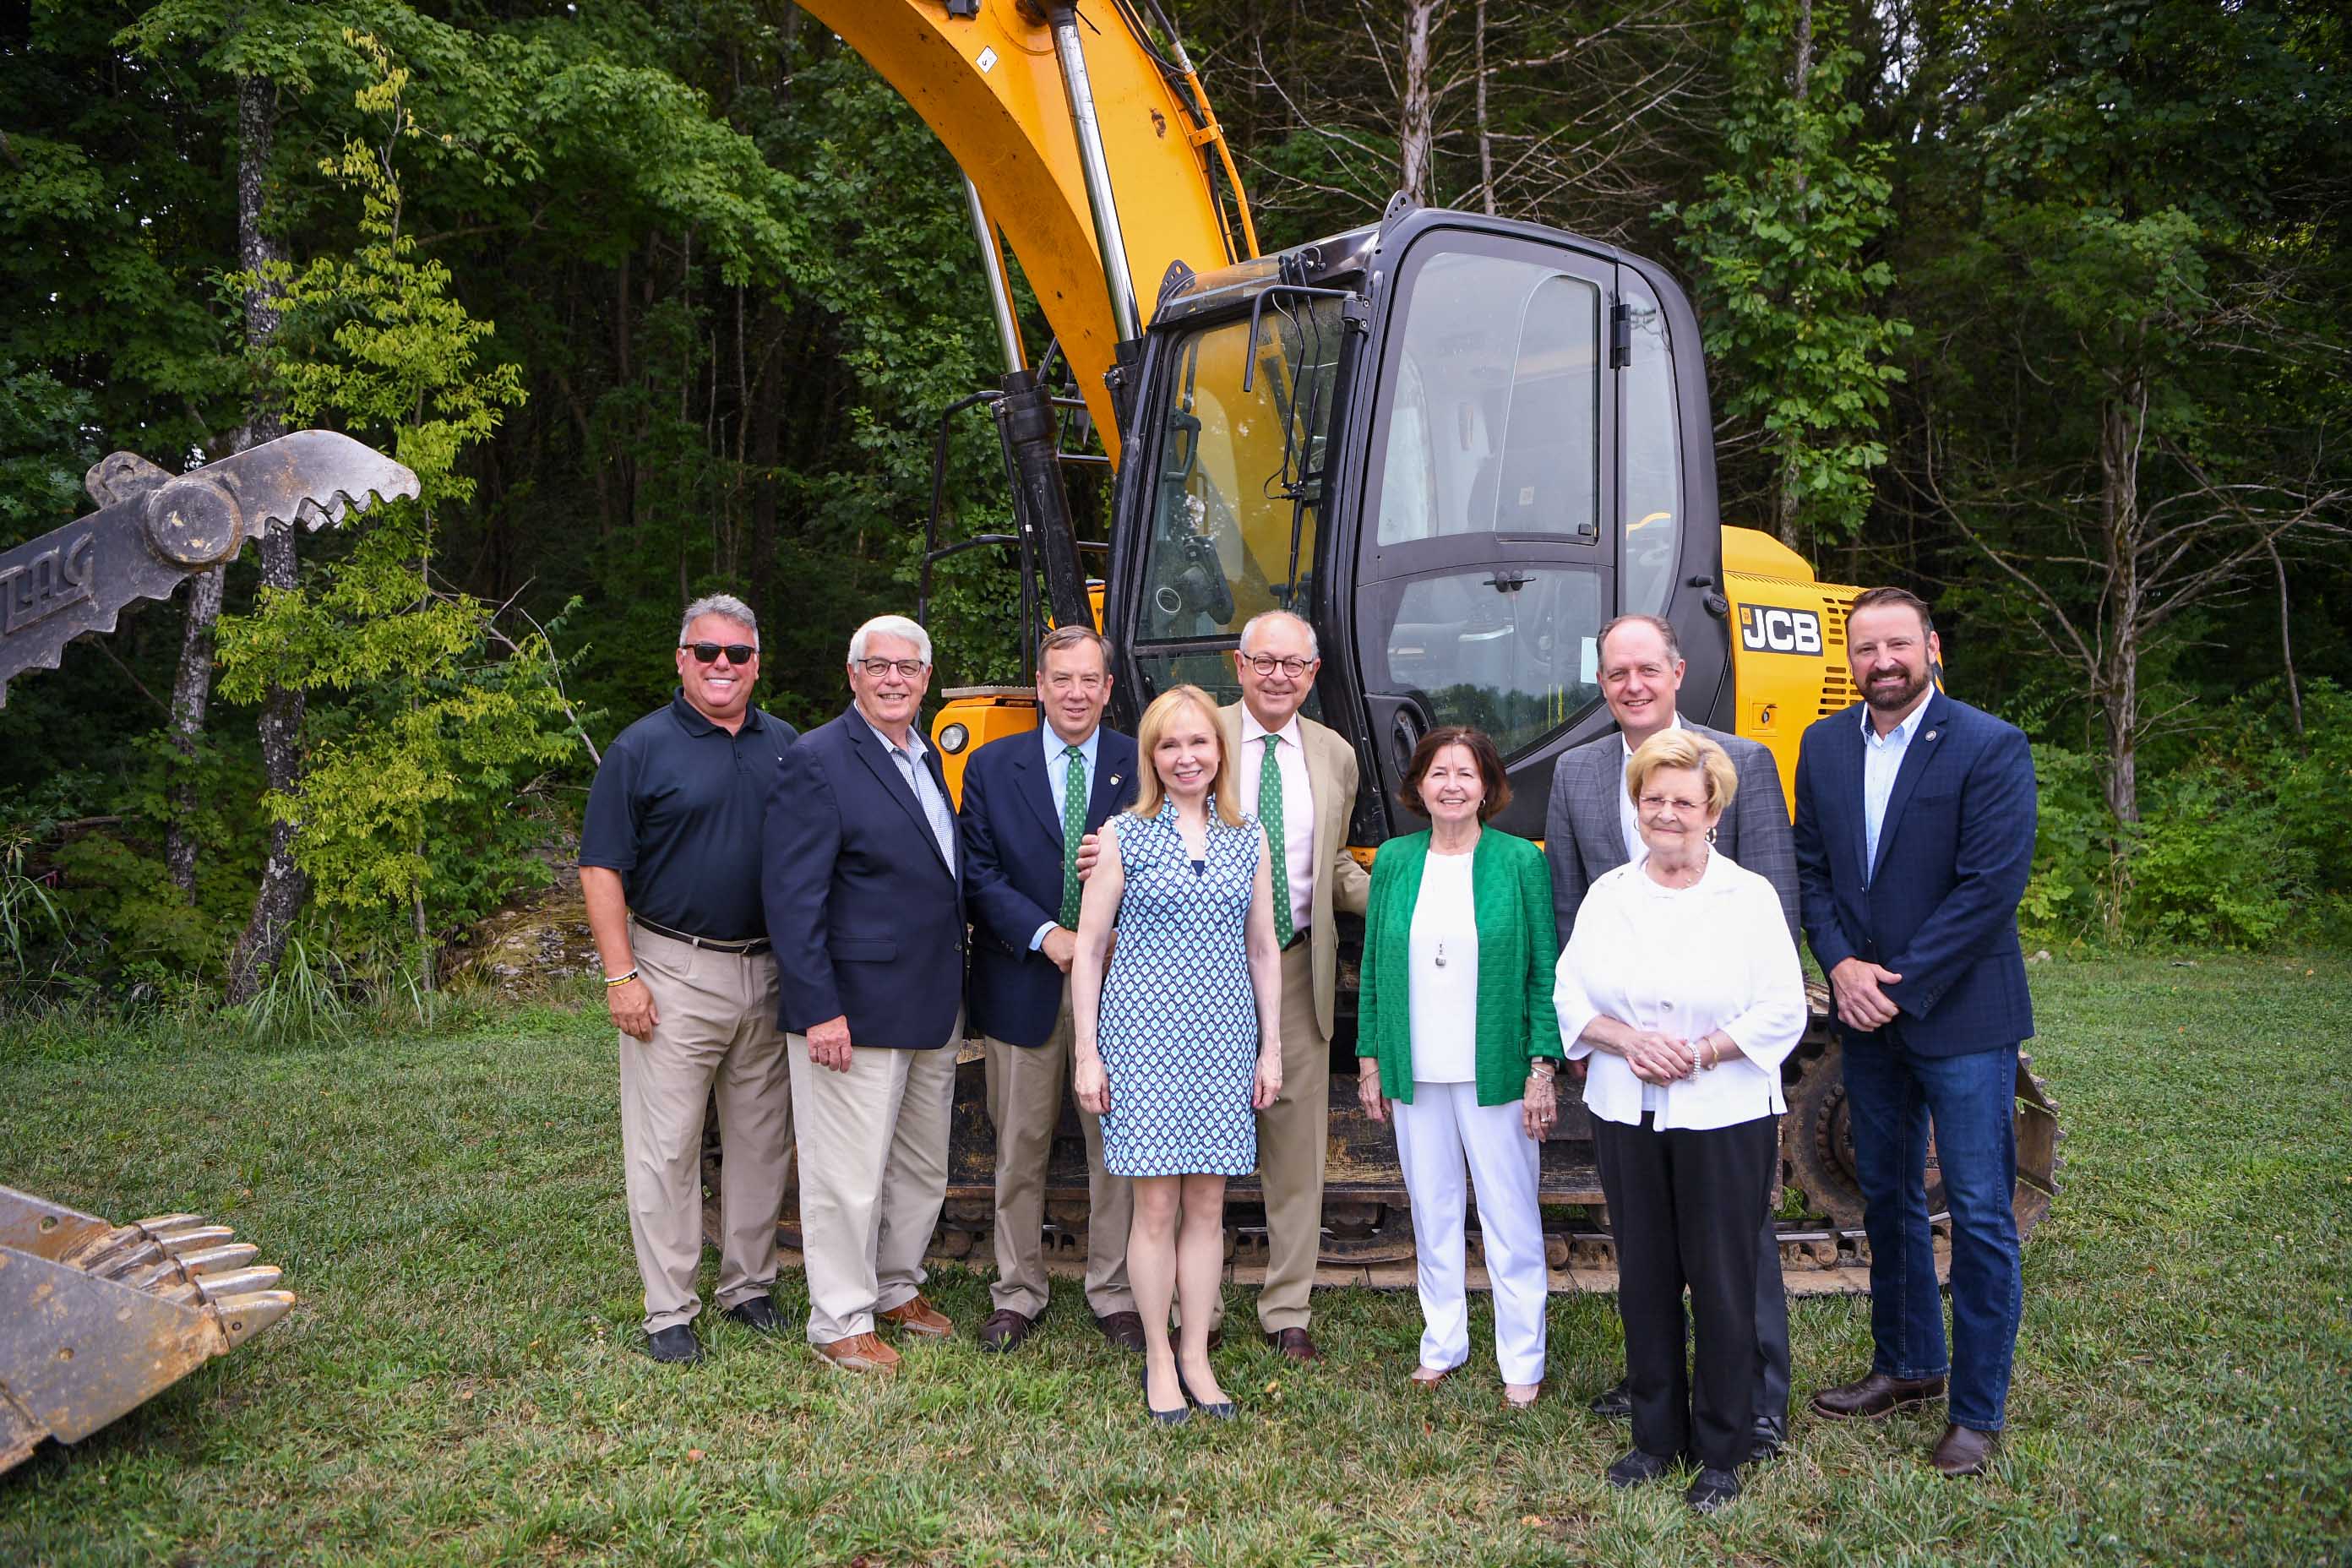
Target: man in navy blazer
862,884
1028,803
1914,835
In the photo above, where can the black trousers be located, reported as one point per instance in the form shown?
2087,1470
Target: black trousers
1684,1206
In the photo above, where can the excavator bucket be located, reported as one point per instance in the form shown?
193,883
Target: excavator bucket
98,1318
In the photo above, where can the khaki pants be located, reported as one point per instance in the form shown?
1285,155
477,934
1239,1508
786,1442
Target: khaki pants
717,1032
1025,1085
874,1173
1294,1135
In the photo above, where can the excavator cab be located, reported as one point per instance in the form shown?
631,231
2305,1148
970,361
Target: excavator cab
1457,446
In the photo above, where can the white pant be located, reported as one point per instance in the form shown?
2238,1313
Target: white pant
1441,1133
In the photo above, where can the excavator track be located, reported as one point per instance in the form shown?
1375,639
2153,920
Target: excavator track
98,1318
1367,1230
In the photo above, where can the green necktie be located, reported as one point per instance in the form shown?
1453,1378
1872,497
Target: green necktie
1073,829
1269,816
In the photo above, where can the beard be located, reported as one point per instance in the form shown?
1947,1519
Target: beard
1895,698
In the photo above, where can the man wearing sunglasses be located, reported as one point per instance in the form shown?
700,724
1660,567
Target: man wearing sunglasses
863,886
669,863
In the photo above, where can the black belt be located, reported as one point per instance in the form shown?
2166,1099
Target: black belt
1296,937
710,944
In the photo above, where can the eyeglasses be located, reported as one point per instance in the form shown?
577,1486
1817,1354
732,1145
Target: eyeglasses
907,668
1267,664
1658,803
709,652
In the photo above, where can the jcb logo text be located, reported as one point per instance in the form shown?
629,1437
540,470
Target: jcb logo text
1764,629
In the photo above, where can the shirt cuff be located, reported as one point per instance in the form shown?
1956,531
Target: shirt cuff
1037,940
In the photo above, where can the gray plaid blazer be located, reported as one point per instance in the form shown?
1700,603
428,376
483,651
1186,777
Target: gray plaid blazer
1584,839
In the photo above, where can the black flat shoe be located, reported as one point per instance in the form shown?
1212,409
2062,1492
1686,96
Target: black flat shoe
758,1314
1176,1418
1615,1404
1637,1469
676,1345
1222,1411
1713,1489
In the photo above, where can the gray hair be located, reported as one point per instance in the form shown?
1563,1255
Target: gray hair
890,626
1249,629
1659,624
726,608
1062,638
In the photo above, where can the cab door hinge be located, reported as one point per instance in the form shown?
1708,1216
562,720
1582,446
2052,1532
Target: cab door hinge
1621,336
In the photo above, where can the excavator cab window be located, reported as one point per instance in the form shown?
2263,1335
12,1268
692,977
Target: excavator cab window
1652,507
1239,487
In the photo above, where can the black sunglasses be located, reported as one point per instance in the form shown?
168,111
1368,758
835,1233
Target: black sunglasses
708,652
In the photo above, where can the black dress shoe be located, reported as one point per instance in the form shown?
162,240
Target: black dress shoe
1875,1395
1005,1329
1712,1489
1295,1343
1616,1404
1123,1330
758,1314
1765,1440
1637,1469
1965,1451
676,1345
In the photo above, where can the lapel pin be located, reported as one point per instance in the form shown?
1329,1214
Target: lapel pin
1928,736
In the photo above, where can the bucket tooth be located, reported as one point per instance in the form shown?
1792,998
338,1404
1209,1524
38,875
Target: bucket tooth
214,1259
242,1317
218,1287
125,1262
197,1239
169,1223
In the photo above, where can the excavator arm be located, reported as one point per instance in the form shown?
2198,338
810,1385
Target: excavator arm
1089,144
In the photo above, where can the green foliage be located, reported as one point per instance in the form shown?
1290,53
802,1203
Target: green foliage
434,741
41,443
1781,244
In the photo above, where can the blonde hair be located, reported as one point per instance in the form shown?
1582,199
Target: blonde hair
1149,791
1681,749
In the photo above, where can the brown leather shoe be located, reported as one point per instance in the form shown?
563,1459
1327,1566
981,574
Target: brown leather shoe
1875,1395
1005,1329
1965,1451
918,1317
1295,1343
1123,1330
862,1352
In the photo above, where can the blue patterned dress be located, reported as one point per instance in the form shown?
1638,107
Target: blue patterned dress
1178,1029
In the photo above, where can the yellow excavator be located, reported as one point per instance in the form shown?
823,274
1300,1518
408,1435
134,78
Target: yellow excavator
1456,444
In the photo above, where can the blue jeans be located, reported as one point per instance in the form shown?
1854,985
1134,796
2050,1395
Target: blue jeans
1892,1093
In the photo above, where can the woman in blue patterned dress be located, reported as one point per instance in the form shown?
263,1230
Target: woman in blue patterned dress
1179,1044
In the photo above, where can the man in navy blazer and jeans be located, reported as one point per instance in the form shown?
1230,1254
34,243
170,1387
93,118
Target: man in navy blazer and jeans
863,883
1029,801
1914,835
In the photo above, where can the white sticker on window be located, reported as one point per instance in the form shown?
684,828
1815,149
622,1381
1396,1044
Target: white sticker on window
1587,663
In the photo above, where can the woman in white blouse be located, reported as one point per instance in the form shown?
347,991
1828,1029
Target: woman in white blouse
1681,983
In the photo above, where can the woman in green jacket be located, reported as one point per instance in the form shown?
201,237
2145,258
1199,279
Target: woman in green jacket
1456,1030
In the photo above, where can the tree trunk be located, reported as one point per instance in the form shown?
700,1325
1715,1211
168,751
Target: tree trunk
2120,421
283,885
192,691
2286,645
1485,130
1416,122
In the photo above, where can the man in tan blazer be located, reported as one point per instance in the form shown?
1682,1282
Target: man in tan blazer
1305,801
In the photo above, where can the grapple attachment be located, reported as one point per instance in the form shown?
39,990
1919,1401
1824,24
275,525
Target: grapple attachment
96,1318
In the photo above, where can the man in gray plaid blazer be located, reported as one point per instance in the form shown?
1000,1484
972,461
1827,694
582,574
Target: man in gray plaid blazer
1588,831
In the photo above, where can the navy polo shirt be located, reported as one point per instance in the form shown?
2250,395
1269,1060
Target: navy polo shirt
676,810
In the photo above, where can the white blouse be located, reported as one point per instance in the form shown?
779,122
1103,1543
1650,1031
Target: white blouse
1444,995
1685,962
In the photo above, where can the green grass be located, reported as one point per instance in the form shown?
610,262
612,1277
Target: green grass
460,1383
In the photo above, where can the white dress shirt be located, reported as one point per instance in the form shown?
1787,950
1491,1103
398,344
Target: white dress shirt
1057,780
1685,962
1881,759
1297,805
1627,822
936,809
1442,997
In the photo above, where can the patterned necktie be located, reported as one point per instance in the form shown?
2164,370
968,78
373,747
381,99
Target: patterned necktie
1073,829
1269,816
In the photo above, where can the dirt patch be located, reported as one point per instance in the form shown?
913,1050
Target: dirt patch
541,944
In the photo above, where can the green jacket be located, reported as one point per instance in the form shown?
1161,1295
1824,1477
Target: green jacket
1517,951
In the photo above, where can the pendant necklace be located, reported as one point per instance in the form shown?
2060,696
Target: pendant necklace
1440,952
